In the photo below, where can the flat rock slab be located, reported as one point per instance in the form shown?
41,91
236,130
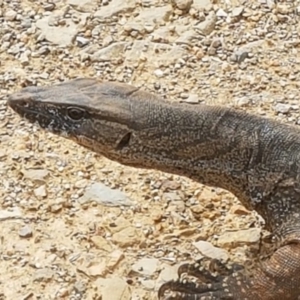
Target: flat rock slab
85,6
128,237
62,35
115,7
146,266
113,288
202,4
124,51
209,250
241,237
58,35
14,213
104,195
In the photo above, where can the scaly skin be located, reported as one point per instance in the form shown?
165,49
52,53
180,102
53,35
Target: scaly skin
255,158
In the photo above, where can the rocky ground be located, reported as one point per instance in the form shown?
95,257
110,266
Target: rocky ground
77,226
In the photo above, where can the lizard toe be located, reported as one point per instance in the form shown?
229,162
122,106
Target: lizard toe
208,270
187,290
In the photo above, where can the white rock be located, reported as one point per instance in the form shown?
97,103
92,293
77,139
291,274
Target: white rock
209,250
193,99
85,6
270,3
221,13
202,4
182,4
104,195
167,273
82,41
58,35
237,11
240,237
14,213
25,231
115,7
155,15
109,53
40,192
243,101
158,73
207,27
146,266
148,284
113,288
161,54
282,108
10,15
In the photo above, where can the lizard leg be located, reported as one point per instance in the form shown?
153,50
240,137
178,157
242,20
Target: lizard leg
277,278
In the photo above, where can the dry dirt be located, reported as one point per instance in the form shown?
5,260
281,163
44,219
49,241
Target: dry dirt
243,54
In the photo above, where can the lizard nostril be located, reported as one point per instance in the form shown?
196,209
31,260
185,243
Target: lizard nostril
17,103
19,99
23,103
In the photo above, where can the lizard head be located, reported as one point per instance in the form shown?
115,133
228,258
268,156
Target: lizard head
112,119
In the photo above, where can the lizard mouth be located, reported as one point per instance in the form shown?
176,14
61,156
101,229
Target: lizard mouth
46,121
32,115
22,105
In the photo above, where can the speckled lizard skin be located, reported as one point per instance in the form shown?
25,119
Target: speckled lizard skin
255,158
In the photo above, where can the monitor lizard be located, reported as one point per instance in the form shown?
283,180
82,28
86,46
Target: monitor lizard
255,158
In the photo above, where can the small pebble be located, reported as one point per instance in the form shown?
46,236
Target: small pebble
25,232
282,108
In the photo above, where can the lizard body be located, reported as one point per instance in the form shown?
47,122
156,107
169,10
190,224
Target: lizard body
255,158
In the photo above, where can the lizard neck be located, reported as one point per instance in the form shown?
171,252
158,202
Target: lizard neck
210,145
244,154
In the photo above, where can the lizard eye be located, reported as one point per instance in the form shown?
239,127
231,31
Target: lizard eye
75,113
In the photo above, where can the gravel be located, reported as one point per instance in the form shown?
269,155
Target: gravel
241,54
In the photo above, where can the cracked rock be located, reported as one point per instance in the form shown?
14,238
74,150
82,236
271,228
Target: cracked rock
182,4
126,237
14,213
58,35
237,11
43,275
104,195
113,288
282,108
115,7
209,250
207,27
85,6
202,4
146,266
109,53
241,237
25,232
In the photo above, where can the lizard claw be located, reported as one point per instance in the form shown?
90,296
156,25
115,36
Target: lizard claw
193,291
207,269
212,279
